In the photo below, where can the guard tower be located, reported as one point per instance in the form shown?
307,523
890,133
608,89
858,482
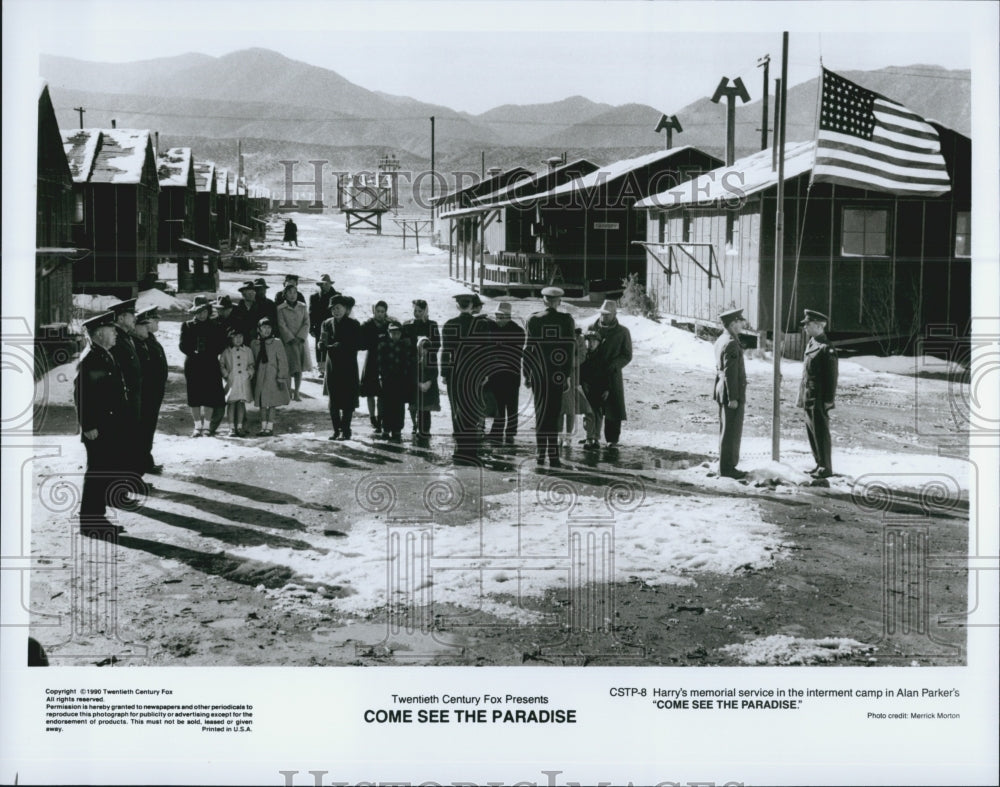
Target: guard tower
364,196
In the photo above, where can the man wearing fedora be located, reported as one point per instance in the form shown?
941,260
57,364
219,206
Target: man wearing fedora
818,390
268,307
730,391
247,312
615,351
319,312
102,410
225,315
339,341
549,361
153,360
505,374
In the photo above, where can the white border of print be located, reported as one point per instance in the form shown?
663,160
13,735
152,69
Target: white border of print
309,719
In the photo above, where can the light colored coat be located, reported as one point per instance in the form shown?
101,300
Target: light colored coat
293,328
237,371
268,374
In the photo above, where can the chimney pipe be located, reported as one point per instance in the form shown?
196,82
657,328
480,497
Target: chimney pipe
494,171
114,123
156,143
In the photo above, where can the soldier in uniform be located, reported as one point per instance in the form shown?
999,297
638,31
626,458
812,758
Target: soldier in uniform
458,375
730,391
549,352
153,360
127,356
817,390
422,325
102,408
505,374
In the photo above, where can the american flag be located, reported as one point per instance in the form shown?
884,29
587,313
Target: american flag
869,142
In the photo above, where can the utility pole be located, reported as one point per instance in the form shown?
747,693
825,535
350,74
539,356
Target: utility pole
764,62
731,94
777,116
81,110
779,259
668,124
433,175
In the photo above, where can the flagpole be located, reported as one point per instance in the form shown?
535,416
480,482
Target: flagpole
779,260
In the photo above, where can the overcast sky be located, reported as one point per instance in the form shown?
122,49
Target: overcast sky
477,55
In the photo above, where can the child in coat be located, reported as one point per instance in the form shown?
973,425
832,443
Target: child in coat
237,372
270,384
595,380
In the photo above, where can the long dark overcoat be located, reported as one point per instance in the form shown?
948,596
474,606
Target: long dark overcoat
202,342
339,342
616,351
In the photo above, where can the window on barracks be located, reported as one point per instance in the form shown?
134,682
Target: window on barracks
963,234
865,232
78,209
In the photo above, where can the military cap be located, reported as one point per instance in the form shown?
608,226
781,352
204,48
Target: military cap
123,307
146,315
552,292
224,302
463,297
813,316
247,285
727,317
259,282
105,319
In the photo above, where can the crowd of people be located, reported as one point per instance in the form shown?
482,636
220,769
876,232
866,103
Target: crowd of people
255,351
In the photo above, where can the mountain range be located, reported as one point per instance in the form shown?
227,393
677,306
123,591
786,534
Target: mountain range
286,109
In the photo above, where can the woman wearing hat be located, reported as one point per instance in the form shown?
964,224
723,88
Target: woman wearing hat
270,376
201,342
293,328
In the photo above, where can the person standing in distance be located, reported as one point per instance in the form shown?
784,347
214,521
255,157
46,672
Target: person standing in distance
153,360
319,312
730,391
818,390
458,373
548,369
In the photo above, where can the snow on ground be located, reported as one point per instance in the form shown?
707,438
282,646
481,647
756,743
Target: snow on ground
780,649
662,539
907,365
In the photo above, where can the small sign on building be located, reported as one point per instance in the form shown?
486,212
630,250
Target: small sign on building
605,225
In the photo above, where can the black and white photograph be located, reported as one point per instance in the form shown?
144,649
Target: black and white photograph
539,393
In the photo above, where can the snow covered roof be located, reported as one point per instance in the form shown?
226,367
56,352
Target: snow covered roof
121,156
578,165
173,166
204,174
611,172
746,176
81,148
496,180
